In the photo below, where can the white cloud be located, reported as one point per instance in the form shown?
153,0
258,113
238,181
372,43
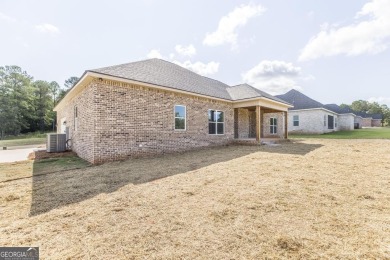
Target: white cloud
6,18
228,25
380,100
310,14
369,36
200,67
185,50
197,67
154,54
274,77
47,28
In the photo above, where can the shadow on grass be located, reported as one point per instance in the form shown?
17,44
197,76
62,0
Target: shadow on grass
51,191
296,147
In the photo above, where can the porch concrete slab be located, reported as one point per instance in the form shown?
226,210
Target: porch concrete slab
16,155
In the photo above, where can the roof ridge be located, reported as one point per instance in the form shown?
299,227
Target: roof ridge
240,85
193,71
122,64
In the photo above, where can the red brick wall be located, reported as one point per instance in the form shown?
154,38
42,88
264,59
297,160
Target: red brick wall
367,122
82,138
377,122
119,120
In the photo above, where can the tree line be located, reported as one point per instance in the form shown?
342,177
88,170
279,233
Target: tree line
26,105
370,108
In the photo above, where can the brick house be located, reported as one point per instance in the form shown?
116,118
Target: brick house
154,106
371,120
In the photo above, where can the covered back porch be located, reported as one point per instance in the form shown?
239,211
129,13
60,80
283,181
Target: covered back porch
260,120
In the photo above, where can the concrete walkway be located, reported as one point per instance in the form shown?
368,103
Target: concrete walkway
15,155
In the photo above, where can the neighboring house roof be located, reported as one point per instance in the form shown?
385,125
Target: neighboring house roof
167,74
245,91
346,110
299,100
339,110
377,116
373,116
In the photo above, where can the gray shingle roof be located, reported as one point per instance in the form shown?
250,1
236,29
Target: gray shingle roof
166,74
377,116
245,91
299,100
366,115
339,110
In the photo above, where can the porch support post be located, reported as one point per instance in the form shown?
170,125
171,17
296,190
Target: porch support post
285,124
236,123
258,123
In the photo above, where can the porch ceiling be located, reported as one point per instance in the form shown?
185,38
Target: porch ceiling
266,104
264,109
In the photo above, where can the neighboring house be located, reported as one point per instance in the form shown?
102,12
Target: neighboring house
371,120
311,116
361,119
347,118
376,120
154,106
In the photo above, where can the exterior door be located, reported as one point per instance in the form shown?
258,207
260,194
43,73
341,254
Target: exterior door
63,126
330,122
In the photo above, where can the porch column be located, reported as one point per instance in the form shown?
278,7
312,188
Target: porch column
285,124
236,123
258,123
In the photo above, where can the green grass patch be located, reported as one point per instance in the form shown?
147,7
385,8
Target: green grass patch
29,168
58,164
366,133
23,141
27,136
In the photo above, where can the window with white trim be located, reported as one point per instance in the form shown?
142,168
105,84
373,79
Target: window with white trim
335,122
180,117
216,122
273,122
296,120
75,118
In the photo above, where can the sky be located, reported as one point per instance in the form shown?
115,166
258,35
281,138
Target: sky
333,51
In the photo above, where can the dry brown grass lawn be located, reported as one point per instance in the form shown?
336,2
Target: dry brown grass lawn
308,199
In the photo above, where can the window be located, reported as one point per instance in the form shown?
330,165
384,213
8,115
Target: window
324,120
273,125
75,118
216,122
180,117
296,120
335,122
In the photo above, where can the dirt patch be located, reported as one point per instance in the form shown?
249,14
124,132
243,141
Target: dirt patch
315,199
42,154
288,244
